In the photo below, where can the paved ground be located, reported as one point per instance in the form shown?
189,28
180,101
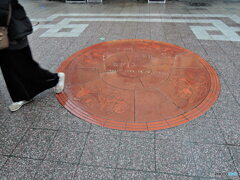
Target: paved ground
44,141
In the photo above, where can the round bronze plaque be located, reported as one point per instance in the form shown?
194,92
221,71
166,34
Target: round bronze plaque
138,85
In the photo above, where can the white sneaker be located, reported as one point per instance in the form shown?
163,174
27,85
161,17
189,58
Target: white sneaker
60,85
17,105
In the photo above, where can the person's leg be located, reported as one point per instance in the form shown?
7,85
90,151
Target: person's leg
15,87
34,78
25,78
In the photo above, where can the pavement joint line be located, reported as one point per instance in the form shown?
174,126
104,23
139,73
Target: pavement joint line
228,146
224,80
77,166
234,163
11,153
216,144
80,157
49,146
118,156
145,171
23,157
45,129
230,58
155,152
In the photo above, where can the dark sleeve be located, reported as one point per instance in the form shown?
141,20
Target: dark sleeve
4,10
20,25
4,2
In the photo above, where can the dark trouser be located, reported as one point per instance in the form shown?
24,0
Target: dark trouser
24,77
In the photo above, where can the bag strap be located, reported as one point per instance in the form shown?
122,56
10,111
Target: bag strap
9,15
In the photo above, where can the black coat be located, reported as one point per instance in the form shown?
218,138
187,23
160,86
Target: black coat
20,25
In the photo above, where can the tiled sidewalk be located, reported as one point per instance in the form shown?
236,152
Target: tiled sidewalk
44,141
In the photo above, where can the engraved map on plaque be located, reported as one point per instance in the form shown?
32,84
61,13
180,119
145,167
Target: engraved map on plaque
138,85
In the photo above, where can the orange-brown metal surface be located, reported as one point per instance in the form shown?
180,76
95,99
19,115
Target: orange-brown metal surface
138,85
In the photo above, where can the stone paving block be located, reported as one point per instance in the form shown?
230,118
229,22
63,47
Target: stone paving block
46,102
117,28
235,61
206,131
73,123
209,114
9,138
35,144
101,150
235,91
102,130
229,48
3,159
3,113
67,147
137,154
134,175
17,168
51,120
92,172
230,128
174,156
176,133
229,72
56,170
104,29
20,119
130,30
173,177
136,134
212,159
226,106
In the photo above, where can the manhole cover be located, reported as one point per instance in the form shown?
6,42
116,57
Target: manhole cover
138,85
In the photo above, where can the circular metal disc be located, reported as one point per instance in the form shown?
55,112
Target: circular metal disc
138,85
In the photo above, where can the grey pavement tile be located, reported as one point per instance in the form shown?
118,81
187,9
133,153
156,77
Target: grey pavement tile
22,118
162,176
17,168
174,156
229,72
137,154
230,128
229,48
235,152
46,102
67,147
212,159
209,114
9,138
96,129
101,150
137,134
55,170
3,159
73,123
52,119
35,144
117,28
235,92
134,175
176,133
206,131
103,30
94,173
226,106
3,113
